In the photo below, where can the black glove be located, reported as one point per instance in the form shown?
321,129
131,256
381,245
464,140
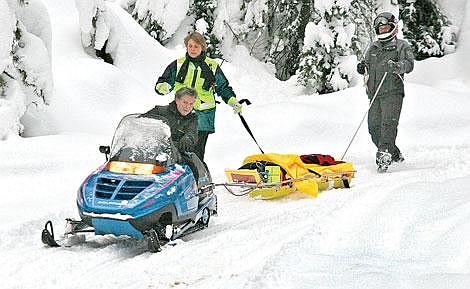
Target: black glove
393,67
186,144
361,67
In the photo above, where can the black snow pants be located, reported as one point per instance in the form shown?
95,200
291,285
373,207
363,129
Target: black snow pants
201,144
383,118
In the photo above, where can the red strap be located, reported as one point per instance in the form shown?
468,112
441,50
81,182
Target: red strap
323,160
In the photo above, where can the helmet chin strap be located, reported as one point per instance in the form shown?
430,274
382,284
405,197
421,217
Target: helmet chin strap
388,35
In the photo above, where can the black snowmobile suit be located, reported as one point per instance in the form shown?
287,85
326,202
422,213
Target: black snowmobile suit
384,113
183,128
376,60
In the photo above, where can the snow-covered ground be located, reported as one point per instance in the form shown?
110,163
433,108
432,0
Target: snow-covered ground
409,228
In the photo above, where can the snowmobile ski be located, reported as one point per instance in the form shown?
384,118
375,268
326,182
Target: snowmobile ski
47,235
70,236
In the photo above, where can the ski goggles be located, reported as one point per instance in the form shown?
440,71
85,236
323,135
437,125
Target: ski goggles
380,21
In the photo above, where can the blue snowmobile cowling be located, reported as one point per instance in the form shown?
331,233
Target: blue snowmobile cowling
145,188
127,204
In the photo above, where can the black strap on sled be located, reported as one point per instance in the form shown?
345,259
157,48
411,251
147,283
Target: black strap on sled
245,124
314,172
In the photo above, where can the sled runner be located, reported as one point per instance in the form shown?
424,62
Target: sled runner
143,190
270,176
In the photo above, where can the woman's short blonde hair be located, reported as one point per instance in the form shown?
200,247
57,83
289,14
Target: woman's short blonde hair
196,37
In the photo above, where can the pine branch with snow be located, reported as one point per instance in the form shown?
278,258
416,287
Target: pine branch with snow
160,18
362,13
286,29
25,63
95,28
250,29
327,44
203,11
424,27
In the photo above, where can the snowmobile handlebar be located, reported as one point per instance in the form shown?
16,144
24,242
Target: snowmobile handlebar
242,101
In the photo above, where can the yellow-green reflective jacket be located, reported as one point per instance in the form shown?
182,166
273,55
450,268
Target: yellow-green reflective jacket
205,103
206,98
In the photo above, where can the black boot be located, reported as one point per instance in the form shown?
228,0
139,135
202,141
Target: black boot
398,158
383,159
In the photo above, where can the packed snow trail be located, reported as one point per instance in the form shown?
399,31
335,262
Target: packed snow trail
408,225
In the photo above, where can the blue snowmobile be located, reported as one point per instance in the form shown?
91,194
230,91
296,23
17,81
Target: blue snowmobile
143,190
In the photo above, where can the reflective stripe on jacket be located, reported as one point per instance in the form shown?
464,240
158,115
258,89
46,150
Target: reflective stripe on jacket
206,98
205,102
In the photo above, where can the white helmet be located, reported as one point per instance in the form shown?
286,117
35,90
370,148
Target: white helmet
386,18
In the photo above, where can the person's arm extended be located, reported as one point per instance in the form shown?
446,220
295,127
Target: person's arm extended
166,81
223,88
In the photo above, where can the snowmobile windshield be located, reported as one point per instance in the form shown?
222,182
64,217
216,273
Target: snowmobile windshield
142,140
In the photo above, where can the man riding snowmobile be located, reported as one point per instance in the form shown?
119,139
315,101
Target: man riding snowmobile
146,188
182,120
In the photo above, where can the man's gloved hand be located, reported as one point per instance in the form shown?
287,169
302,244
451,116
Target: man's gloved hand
163,88
233,102
186,144
361,67
393,67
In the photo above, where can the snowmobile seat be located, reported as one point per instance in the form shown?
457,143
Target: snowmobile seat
199,169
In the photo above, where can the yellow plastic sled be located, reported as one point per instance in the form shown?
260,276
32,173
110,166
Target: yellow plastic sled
271,176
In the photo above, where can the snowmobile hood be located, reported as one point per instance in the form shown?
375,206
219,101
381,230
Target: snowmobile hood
127,196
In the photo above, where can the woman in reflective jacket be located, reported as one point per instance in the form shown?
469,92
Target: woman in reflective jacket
202,73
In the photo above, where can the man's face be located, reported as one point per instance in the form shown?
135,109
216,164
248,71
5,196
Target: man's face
194,49
384,28
185,104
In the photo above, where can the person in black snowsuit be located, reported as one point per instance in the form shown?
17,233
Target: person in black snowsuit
182,120
180,117
394,56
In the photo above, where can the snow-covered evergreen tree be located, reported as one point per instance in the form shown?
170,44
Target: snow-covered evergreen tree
203,11
327,45
387,6
95,27
362,13
426,27
25,64
160,18
286,27
250,29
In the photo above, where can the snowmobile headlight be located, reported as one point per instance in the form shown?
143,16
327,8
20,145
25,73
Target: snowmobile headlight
134,168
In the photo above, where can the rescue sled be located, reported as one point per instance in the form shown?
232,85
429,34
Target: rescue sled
142,191
270,176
